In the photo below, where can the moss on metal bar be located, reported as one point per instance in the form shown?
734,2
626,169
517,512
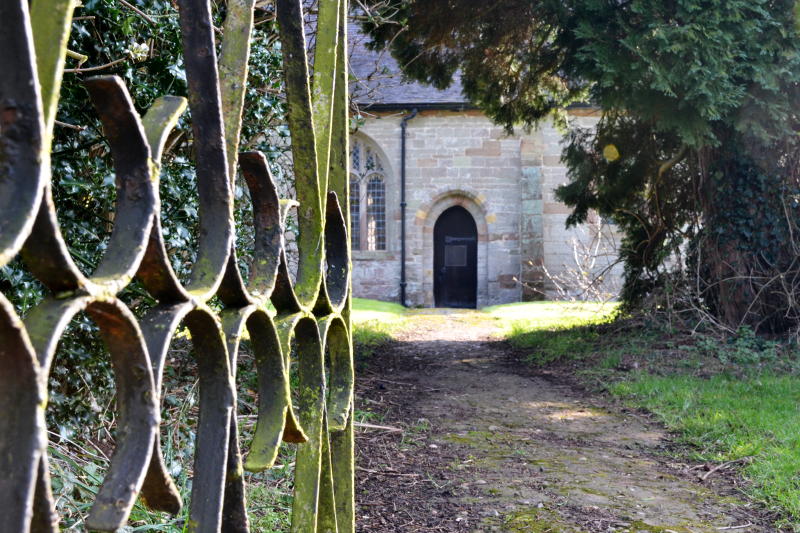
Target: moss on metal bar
323,87
342,452
159,121
301,125
233,59
342,442
321,422
339,170
326,523
310,405
216,199
51,21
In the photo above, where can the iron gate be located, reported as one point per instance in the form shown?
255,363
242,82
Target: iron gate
312,320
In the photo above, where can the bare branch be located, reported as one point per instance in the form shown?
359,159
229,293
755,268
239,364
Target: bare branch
70,126
98,67
138,11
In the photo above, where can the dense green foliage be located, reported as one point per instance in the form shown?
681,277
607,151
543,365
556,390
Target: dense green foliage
682,66
146,54
697,140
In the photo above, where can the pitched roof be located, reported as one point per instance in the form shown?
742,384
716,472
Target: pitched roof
377,81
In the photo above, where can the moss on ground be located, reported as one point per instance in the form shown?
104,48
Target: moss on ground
533,520
730,399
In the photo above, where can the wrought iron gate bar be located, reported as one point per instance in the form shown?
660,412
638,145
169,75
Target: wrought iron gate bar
312,319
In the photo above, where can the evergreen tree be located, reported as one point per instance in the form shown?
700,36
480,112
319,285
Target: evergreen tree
697,146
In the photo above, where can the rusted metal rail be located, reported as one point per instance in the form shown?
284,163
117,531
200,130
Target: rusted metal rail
312,321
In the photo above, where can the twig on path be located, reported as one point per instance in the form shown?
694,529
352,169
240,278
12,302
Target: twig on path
373,426
385,472
394,382
724,465
403,384
473,364
728,528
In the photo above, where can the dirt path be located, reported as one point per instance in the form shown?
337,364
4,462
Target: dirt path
483,448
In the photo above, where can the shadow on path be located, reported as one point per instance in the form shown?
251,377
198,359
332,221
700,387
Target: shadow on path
483,448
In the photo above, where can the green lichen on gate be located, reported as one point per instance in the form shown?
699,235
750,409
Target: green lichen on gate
233,71
304,151
323,88
51,20
139,378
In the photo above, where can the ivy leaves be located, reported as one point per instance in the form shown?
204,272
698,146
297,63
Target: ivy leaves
145,50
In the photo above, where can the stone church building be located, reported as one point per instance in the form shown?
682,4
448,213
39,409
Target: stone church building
482,224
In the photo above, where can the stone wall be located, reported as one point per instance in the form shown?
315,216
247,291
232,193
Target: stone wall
506,182
563,248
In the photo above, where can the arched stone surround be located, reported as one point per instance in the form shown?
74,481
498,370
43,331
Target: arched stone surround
425,220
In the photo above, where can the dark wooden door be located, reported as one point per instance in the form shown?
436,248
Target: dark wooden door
455,259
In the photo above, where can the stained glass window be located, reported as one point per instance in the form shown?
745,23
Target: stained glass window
370,160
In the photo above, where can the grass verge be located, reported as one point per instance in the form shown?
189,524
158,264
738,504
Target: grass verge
730,418
374,324
549,331
732,399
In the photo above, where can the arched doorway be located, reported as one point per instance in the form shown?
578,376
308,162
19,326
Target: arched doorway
455,259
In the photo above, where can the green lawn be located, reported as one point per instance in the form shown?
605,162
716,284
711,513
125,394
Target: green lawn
549,331
728,400
726,418
374,324
365,310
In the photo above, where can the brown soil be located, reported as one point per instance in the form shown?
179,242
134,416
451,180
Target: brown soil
485,448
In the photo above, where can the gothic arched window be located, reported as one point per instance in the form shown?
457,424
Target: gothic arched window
367,198
376,213
355,214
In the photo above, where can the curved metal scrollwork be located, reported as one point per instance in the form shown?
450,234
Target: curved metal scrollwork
310,321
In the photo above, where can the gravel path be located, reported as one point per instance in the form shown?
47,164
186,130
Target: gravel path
484,448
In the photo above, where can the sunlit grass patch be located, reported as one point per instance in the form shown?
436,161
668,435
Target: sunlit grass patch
546,314
374,324
726,418
550,331
365,310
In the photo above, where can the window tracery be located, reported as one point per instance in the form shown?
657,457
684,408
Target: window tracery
376,213
355,214
367,197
